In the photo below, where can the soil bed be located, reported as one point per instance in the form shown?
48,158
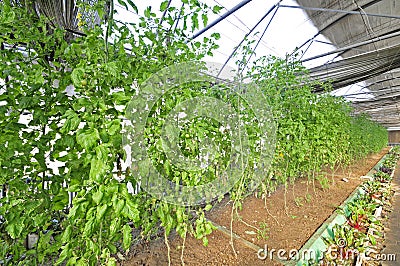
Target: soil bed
307,207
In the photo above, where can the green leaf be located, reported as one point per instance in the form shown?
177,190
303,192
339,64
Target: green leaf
114,127
147,12
195,21
205,241
112,68
208,228
14,229
102,152
7,15
60,200
77,76
208,207
112,248
164,6
122,3
131,211
330,233
372,239
112,188
40,220
82,261
65,253
81,102
75,211
216,35
97,196
119,206
88,227
105,138
130,2
91,213
97,170
87,138
30,206
114,226
101,210
216,9
25,102
120,98
204,17
111,261
74,188
66,236
127,237
72,261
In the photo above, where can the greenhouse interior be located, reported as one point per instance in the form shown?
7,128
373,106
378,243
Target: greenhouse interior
199,132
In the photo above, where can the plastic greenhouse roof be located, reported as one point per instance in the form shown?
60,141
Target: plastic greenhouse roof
351,43
367,35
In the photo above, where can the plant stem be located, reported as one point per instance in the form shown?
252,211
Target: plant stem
265,206
183,248
231,228
285,199
168,247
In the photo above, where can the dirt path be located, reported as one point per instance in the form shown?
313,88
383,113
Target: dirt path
286,224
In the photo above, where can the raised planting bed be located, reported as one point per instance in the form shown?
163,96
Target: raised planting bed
350,235
284,220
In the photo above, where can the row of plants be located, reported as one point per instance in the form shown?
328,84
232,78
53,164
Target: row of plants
82,130
359,240
314,130
73,90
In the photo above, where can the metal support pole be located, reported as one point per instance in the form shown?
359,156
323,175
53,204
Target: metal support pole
215,22
262,35
247,34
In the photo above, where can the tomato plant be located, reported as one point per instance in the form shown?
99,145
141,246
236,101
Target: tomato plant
62,102
72,91
314,130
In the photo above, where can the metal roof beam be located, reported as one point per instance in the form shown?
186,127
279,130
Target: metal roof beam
218,20
387,36
350,12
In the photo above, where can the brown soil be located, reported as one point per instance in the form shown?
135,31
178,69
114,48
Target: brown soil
289,223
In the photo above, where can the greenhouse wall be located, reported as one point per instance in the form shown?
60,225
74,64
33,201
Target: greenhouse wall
394,136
